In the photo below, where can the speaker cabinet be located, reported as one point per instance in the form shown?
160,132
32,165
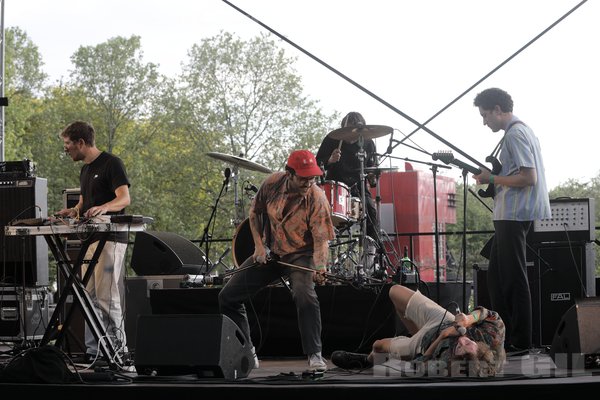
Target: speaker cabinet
165,253
209,345
137,299
576,342
566,273
28,256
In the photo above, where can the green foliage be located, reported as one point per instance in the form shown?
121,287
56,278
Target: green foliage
114,75
248,95
478,226
23,64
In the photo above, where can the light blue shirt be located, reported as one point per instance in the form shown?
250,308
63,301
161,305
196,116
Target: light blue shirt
521,148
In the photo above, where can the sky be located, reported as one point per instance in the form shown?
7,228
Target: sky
416,56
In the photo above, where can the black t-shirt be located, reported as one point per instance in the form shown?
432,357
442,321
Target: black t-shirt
347,170
98,181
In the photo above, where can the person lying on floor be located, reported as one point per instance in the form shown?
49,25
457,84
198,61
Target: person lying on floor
437,336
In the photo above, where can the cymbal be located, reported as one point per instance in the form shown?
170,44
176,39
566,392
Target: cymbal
376,169
353,133
242,162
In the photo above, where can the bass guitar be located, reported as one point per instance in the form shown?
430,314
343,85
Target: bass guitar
447,157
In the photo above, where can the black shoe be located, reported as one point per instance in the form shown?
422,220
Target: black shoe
514,351
348,360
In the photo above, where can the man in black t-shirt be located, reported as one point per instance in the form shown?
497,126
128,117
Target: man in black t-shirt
104,190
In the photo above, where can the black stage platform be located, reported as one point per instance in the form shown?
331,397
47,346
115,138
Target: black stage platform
531,375
352,318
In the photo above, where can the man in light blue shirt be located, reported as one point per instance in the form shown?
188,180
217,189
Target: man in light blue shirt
521,196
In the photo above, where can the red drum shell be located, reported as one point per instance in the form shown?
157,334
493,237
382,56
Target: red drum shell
338,196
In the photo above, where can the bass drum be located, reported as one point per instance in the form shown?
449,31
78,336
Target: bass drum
243,244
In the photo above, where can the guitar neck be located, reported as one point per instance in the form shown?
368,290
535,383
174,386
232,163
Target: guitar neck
463,165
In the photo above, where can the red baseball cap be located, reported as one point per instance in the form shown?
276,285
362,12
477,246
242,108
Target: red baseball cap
304,163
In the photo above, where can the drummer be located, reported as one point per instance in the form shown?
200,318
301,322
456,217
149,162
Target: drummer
290,217
343,165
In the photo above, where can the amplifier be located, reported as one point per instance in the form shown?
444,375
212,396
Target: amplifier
26,319
573,220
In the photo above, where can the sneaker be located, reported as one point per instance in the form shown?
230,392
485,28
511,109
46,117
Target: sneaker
316,362
256,362
348,360
95,360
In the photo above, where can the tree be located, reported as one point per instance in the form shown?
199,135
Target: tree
479,219
24,80
23,66
114,75
248,95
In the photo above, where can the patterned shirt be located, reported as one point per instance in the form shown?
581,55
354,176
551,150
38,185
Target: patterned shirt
306,225
488,329
521,148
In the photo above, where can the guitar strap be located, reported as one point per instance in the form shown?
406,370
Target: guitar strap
497,148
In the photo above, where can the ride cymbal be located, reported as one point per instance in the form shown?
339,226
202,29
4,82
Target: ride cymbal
353,133
239,161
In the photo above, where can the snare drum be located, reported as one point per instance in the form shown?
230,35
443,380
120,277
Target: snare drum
338,196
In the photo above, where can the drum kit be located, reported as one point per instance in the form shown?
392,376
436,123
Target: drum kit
354,255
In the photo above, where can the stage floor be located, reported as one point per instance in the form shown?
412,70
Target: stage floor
533,374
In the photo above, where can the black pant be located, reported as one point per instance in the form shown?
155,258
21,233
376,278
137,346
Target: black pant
507,281
245,284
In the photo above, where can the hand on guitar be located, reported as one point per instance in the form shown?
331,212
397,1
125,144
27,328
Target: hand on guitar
483,178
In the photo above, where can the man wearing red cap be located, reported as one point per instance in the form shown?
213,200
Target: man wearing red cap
290,220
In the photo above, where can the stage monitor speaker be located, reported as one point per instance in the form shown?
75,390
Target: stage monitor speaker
165,253
566,273
209,345
576,342
23,199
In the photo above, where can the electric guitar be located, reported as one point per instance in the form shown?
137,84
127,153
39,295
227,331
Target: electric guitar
447,157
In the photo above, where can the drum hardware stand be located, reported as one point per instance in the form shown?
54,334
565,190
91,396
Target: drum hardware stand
363,224
205,235
382,257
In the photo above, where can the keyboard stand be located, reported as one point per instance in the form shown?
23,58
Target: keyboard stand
71,272
76,286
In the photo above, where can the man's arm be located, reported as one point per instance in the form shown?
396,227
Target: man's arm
448,332
260,254
525,177
121,201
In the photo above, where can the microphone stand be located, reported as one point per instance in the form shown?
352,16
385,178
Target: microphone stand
464,240
436,234
205,235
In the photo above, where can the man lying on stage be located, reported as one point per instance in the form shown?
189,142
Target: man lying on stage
475,340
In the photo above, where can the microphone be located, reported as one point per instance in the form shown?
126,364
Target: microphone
251,188
227,175
462,331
